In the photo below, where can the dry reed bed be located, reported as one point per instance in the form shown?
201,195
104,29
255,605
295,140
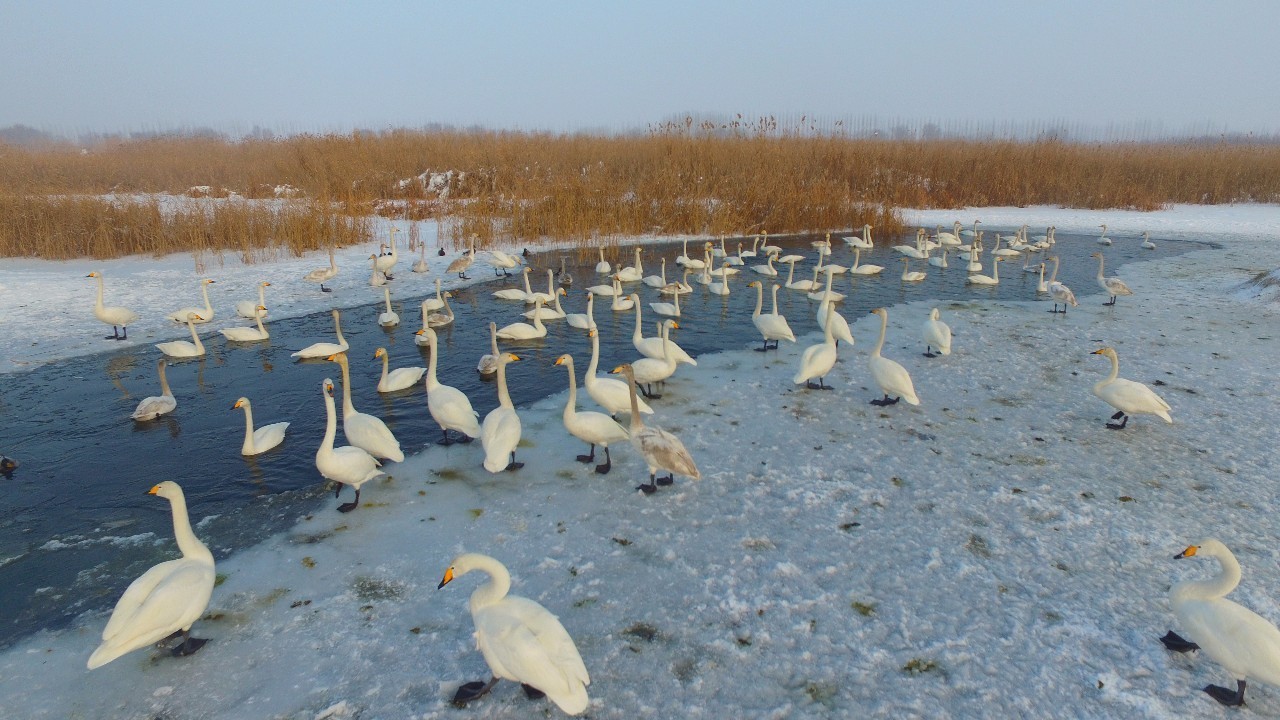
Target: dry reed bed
521,187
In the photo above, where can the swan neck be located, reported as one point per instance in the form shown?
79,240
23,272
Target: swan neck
337,329
386,364
759,300
188,543
494,590
884,327
248,427
1054,277
99,279
636,335
636,421
1224,582
504,397
595,354
431,362
204,290
164,383
571,407
331,424
347,408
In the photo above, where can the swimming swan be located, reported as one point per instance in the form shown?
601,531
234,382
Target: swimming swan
346,465
153,407
448,405
488,364
119,318
250,309
247,334
206,312
520,640
166,599
500,431
398,379
609,393
389,318
325,349
1243,642
525,331
583,321
590,427
262,439
1126,396
660,449
363,430
892,378
182,348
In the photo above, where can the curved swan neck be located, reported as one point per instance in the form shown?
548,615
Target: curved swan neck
571,407
1224,582
188,543
495,589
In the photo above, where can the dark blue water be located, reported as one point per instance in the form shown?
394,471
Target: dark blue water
76,525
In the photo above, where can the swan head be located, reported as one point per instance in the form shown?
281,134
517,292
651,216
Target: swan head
623,369
327,386
565,359
94,274
380,352
561,292
884,314
1097,255
509,357
170,489
1206,548
754,284
463,564
263,308
208,281
1105,352
340,358
242,402
195,317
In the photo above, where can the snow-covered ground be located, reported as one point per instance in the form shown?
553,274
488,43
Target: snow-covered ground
995,552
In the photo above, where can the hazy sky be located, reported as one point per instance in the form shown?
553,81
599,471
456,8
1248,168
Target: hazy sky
316,66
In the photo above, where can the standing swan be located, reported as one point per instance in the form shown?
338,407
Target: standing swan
892,378
119,318
166,599
818,359
346,465
398,379
936,334
772,326
323,275
462,264
660,449
590,427
500,432
1113,285
448,406
520,640
250,309
325,349
264,438
157,405
206,312
1059,292
182,348
1126,396
363,430
1242,641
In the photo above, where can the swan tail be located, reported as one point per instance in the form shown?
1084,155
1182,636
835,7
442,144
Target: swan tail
573,702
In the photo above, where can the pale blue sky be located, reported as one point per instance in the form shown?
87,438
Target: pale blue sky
317,66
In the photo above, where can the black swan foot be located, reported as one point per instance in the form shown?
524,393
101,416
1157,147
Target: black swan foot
586,458
1225,696
605,468
929,355
532,692
1177,643
348,507
1124,420
647,489
664,481
189,646
325,289
471,691
885,402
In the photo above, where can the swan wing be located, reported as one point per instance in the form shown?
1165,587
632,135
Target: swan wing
168,597
893,379
1133,397
404,377
269,436
500,434
524,642
613,395
321,350
154,406
1244,642
452,410
664,450
371,434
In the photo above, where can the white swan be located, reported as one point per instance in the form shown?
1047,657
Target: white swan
520,640
1146,241
435,303
115,316
938,262
389,317
250,309
691,263
1113,285
671,309
660,449
817,360
827,314
660,280
736,260
912,251
438,319
801,285
992,279
720,288
623,303
590,427
346,465
488,364
182,348
363,430
864,242
323,275
448,406
936,334
610,290
388,261
827,294
767,268
1103,239
765,247
1246,644
679,287
398,379
1059,292
909,275
1126,396
998,251
609,393
376,278
631,273
166,599
583,321
153,407
502,262
892,378
654,347
1042,286
325,349
500,431
649,371
420,265
549,313
525,331
830,267
948,239
545,297
461,264
247,334
205,313
771,326
603,267
262,439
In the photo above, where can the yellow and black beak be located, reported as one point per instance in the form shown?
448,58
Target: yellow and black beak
155,489
1189,552
448,578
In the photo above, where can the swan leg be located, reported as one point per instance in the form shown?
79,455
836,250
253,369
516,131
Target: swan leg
471,691
1113,301
765,348
1177,643
608,462
649,489
588,458
1124,421
190,645
348,507
664,481
513,465
463,275
532,692
928,351
325,289
1225,696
